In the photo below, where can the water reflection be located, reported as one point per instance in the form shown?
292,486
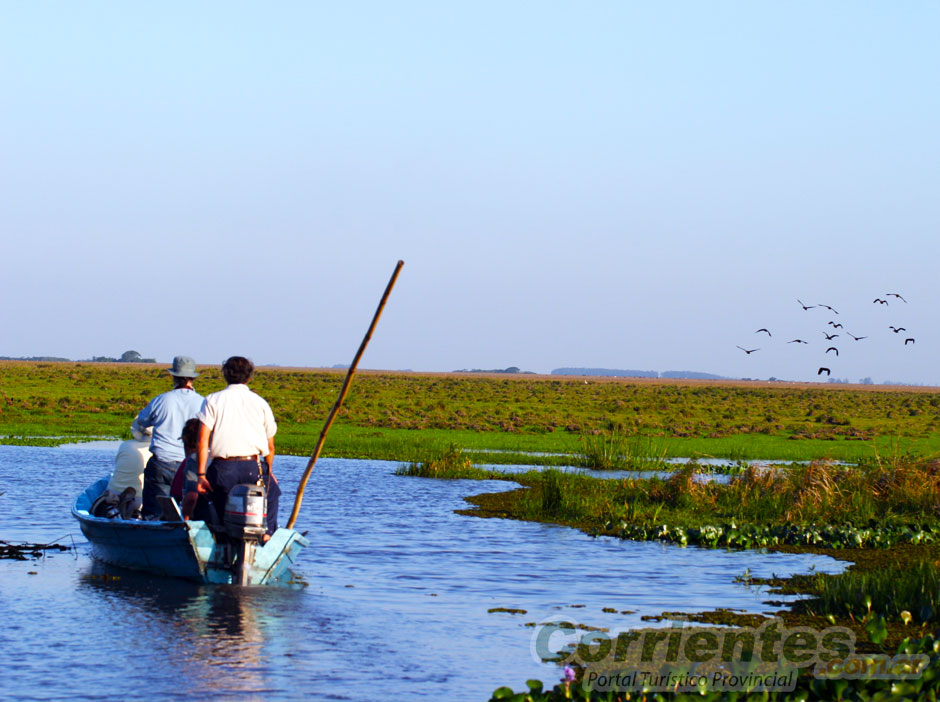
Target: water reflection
216,636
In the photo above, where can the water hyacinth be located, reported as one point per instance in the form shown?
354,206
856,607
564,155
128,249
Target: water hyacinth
808,687
762,536
569,677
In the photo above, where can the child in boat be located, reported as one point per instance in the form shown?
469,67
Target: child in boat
184,484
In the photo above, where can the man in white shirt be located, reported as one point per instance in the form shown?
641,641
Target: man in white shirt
238,429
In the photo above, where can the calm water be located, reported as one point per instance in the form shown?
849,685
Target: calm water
396,606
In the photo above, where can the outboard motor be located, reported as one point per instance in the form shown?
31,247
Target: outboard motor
245,524
245,512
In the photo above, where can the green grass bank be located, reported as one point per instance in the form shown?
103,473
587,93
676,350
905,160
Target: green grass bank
407,416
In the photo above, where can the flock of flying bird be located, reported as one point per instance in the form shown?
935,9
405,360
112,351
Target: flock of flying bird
837,329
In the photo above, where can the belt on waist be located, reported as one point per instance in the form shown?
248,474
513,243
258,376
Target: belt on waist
238,458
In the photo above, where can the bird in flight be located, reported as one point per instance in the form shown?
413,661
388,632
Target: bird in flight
906,340
829,337
879,300
748,351
834,325
833,348
857,338
805,307
763,330
828,308
895,295
820,371
797,341
896,329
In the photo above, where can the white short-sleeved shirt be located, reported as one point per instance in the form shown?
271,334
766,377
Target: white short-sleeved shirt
240,420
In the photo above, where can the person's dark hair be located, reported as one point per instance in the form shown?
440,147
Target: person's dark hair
237,369
180,382
190,435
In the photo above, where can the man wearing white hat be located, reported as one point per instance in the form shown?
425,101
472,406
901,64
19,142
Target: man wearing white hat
167,413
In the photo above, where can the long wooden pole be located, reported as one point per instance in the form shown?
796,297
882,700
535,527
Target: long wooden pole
342,396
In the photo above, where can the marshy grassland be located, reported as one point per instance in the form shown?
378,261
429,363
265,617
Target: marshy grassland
882,513
410,416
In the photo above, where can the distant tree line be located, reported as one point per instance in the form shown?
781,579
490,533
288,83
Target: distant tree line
126,357
618,373
612,372
33,358
511,369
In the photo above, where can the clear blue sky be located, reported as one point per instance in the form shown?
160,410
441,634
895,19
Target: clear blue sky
610,184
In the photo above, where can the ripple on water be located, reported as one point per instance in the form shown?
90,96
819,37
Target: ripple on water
399,588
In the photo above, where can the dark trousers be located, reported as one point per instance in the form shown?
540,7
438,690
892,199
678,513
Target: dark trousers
158,476
224,475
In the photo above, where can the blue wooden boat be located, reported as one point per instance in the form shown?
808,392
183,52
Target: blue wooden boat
183,549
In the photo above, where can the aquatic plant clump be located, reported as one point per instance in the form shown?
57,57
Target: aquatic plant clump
911,594
23,552
763,536
451,463
617,449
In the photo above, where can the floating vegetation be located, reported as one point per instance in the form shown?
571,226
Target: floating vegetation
579,626
761,536
40,441
25,552
506,610
884,688
103,577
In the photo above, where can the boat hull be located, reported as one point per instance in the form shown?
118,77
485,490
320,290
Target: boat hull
185,549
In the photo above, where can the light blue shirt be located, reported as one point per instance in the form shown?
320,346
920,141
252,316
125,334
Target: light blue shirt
167,413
